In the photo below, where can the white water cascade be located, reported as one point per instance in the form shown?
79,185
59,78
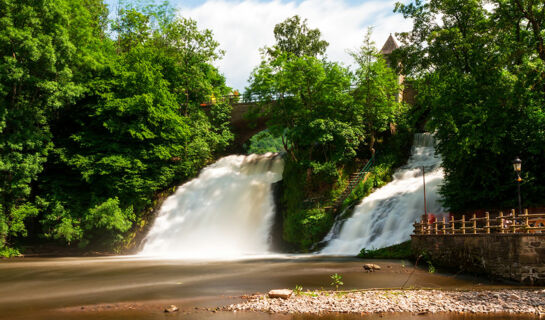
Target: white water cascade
386,216
226,212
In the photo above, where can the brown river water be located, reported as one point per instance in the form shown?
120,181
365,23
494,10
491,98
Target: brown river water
134,288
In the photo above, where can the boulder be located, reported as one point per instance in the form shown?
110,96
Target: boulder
280,293
171,308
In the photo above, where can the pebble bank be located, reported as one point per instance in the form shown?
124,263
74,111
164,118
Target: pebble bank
412,301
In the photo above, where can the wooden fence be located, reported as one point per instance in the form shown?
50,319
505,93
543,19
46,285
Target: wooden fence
512,223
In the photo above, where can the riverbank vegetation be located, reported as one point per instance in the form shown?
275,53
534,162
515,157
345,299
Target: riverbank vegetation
99,115
398,251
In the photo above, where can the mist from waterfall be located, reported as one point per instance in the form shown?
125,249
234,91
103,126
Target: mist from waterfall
226,212
387,215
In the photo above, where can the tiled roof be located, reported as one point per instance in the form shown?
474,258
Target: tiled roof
389,46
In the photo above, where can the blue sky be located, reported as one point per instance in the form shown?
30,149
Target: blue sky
243,26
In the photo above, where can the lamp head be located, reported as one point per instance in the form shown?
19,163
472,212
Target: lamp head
517,165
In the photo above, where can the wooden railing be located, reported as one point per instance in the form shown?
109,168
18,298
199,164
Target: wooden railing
512,223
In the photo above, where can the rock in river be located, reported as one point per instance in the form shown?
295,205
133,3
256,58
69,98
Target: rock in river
370,267
171,308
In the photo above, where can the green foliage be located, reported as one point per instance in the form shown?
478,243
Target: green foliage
303,226
315,126
294,36
481,73
314,118
324,123
298,290
36,80
8,252
91,125
336,281
377,91
426,257
398,251
264,142
108,216
431,268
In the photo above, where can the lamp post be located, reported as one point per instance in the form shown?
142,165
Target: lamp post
517,166
424,184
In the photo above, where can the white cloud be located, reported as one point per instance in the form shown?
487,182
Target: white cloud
243,27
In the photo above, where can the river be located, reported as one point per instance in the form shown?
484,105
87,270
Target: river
138,288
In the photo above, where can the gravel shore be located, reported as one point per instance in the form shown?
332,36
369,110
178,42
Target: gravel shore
412,301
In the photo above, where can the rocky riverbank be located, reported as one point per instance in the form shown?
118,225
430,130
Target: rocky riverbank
410,301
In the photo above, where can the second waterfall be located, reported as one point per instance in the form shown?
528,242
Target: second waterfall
386,216
226,212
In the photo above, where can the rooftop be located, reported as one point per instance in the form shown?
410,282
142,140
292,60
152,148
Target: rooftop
389,46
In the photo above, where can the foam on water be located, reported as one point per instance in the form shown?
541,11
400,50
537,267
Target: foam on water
226,212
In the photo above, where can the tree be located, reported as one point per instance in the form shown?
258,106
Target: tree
308,104
377,91
293,36
36,80
486,103
311,110
138,130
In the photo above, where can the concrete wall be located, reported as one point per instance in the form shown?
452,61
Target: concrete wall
518,257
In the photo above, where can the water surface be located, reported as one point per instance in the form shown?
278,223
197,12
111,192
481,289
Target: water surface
137,288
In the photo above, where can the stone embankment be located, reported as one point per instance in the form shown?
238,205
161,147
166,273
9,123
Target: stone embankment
411,301
519,257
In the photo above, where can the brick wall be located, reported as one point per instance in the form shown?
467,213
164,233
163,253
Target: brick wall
518,257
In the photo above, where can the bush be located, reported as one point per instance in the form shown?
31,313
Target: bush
264,142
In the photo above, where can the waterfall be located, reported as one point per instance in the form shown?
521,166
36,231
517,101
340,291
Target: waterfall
387,215
226,212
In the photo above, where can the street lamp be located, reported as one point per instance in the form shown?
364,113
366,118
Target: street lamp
517,166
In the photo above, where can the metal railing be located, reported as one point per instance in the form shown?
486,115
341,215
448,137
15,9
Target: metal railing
512,223
256,98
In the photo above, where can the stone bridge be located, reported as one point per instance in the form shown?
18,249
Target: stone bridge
242,127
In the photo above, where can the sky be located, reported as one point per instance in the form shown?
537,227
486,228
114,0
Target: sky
242,27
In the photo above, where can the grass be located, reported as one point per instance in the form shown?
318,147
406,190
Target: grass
398,251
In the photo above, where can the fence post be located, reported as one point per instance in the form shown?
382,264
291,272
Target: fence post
501,221
514,222
444,226
428,224
435,227
526,224
488,222
464,224
422,227
474,223
452,224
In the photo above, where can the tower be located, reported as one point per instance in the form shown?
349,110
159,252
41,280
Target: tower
387,49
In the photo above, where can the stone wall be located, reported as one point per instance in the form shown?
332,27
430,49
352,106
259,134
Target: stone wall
518,257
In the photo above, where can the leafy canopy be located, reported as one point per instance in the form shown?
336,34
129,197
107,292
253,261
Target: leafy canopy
482,70
97,116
